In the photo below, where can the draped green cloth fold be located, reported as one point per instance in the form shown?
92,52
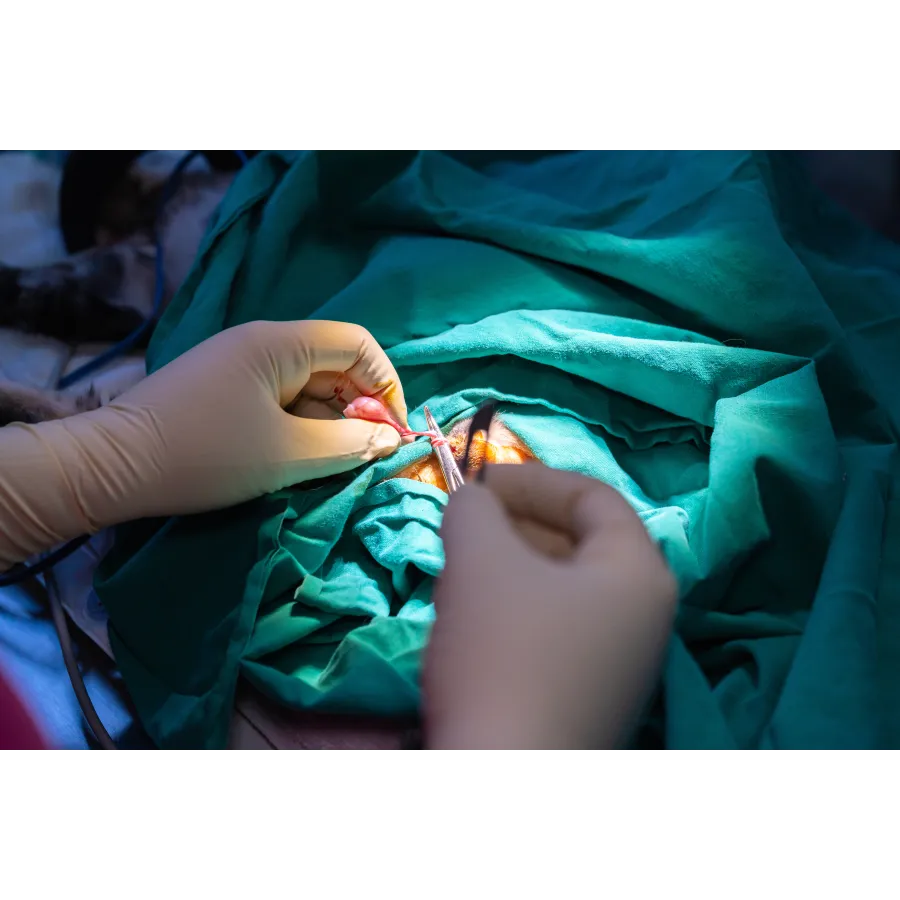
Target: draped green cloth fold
701,330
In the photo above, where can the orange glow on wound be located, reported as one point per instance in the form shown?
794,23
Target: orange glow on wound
501,446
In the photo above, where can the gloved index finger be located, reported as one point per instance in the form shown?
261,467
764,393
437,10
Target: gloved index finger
347,348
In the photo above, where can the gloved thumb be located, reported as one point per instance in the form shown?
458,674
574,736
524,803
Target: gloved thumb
316,448
476,531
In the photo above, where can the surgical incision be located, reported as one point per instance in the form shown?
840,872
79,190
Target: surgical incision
500,445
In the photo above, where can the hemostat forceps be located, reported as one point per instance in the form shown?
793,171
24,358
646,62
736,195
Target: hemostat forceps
449,468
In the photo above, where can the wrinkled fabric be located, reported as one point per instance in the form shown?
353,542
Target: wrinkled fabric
701,330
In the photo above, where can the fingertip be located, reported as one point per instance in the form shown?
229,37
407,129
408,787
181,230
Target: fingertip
391,395
385,441
474,508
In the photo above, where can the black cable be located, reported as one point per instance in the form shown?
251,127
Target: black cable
75,676
20,572
159,289
132,340
45,565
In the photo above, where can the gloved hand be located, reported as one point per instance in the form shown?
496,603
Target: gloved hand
207,431
553,614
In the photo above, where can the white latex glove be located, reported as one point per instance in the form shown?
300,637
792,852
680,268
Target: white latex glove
207,431
553,614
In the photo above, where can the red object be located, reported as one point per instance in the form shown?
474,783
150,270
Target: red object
17,728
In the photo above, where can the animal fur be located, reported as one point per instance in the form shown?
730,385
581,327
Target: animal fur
20,403
103,294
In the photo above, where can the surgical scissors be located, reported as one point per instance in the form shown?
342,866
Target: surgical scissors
449,468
